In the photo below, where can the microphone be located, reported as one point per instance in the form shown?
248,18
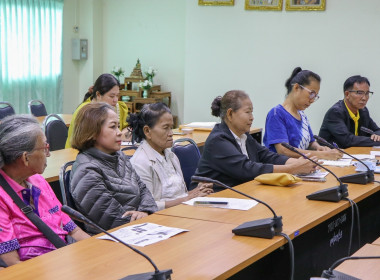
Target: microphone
357,178
333,194
367,130
156,275
263,228
334,274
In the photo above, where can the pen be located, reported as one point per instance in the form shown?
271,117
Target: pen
210,202
314,179
335,145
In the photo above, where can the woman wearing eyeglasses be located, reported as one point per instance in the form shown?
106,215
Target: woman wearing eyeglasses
23,152
288,123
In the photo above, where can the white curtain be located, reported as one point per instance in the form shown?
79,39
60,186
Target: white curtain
31,53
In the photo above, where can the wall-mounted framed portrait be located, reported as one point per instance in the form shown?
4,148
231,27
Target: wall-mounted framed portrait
305,5
271,5
216,2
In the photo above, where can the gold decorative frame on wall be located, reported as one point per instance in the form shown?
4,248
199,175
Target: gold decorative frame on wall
305,5
216,2
271,5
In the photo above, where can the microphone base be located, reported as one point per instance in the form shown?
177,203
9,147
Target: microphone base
336,275
264,228
359,178
333,194
161,275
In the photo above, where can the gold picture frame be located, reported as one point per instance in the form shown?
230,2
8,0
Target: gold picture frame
269,5
305,5
216,2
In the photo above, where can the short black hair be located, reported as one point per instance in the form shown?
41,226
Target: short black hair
349,83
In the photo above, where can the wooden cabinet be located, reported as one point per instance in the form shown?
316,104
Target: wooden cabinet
135,101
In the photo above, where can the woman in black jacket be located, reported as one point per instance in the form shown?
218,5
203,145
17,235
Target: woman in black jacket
231,155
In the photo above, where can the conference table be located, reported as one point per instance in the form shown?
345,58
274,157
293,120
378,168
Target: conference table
363,269
211,251
65,117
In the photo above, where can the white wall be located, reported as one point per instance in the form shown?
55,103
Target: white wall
79,75
70,68
202,52
230,48
152,31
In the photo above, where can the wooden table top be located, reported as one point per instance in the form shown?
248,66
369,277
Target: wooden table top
56,160
66,118
376,242
299,214
363,269
191,255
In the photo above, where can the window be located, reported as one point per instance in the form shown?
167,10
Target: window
31,53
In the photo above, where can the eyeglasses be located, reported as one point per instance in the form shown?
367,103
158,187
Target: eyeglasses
46,148
362,93
312,94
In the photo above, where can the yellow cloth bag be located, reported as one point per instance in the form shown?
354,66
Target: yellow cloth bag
277,179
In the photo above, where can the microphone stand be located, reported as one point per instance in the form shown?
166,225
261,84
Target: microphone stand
333,274
358,178
367,130
263,228
333,194
156,275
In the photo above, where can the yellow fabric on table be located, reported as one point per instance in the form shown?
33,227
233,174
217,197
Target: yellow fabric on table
277,179
123,114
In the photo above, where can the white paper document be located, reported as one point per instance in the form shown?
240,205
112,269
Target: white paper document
360,156
201,124
375,153
232,203
144,234
340,162
315,175
128,143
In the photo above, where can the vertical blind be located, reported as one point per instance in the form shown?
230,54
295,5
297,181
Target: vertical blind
31,53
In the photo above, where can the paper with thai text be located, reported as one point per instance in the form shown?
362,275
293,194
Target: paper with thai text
144,234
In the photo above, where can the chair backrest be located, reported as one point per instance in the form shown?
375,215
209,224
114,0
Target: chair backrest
6,109
188,156
126,148
55,132
37,110
64,183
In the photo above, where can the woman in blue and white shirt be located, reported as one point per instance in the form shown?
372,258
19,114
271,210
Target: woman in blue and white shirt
288,122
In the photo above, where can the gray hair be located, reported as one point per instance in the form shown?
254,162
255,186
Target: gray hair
18,134
231,99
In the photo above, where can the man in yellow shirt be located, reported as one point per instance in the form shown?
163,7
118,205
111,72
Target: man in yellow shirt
343,122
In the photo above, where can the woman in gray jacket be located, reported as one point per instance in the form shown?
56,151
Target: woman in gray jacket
104,185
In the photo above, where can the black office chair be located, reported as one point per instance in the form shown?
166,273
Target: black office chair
55,132
37,110
188,156
64,183
6,109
